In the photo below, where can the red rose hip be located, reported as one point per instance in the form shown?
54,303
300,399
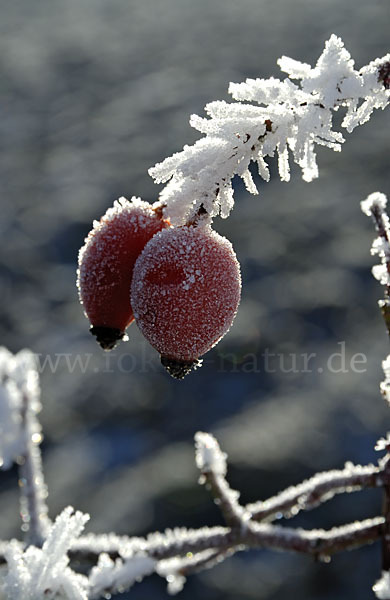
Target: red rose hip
106,263
185,293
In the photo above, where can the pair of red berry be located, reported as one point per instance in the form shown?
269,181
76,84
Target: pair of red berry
181,284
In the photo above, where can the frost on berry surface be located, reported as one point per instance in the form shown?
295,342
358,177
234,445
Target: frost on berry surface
107,259
284,118
185,290
18,381
37,573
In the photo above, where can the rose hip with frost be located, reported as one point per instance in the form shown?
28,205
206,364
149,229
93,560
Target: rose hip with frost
185,293
106,263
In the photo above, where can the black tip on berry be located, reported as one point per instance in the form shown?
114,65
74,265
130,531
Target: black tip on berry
179,368
107,337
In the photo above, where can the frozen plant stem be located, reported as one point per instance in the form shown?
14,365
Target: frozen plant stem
375,206
270,117
33,506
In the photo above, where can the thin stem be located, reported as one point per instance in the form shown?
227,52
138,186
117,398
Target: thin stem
34,510
226,499
381,221
386,514
316,490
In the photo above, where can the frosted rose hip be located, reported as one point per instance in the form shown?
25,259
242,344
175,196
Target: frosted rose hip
185,293
106,263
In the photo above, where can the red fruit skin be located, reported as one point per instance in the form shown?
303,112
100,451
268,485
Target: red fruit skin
107,259
185,291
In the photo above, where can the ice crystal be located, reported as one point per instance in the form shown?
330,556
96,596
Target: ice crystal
385,385
119,575
44,573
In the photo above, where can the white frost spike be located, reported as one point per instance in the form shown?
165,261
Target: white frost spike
249,183
119,575
44,573
208,455
382,587
283,163
263,168
295,68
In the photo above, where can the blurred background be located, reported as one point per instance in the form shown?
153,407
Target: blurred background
93,93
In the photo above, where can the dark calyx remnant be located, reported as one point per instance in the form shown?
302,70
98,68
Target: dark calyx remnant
107,337
179,368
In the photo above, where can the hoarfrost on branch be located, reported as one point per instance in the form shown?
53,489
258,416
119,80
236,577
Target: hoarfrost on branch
286,119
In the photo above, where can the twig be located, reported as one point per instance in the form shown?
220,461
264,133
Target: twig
211,462
374,206
170,544
34,510
316,490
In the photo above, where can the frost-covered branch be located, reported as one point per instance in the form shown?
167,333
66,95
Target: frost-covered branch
375,207
42,566
178,551
20,438
270,117
211,462
316,490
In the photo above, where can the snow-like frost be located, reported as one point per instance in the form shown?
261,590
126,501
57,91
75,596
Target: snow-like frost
383,443
374,199
119,575
208,455
43,573
382,586
286,118
385,385
374,206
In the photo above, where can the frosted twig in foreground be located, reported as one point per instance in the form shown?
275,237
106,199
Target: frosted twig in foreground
270,117
211,462
21,435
